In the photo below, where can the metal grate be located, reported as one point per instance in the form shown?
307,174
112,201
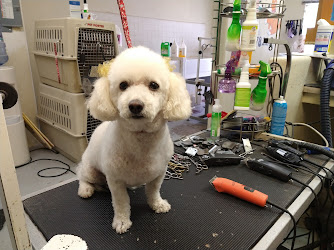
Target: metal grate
92,124
46,39
55,111
94,47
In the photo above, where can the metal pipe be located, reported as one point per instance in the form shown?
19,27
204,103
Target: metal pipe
284,86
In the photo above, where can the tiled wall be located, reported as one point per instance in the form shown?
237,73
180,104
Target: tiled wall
151,32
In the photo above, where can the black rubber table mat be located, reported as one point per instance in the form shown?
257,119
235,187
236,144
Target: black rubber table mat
200,217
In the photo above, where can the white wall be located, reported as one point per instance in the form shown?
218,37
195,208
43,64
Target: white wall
150,21
197,11
151,32
295,11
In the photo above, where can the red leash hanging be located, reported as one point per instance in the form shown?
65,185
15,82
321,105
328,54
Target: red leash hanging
121,7
56,59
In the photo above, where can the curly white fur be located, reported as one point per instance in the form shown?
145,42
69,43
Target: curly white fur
127,150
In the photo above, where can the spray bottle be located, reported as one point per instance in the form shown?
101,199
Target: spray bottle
233,32
249,29
243,90
259,93
227,84
279,115
215,119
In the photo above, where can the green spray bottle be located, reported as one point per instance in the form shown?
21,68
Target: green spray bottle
233,32
259,93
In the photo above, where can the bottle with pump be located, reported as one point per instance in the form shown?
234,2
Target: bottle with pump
243,90
233,32
249,29
227,84
280,108
259,93
183,49
174,49
216,119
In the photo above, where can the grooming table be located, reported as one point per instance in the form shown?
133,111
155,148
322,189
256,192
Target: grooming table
200,217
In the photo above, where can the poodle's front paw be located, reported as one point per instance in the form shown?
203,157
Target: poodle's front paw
160,206
85,190
121,225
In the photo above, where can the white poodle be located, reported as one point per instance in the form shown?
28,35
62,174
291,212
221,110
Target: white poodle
133,146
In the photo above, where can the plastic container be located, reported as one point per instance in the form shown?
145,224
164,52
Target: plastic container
215,119
280,108
183,50
75,56
227,84
324,37
165,49
233,32
243,90
18,139
249,29
174,49
259,93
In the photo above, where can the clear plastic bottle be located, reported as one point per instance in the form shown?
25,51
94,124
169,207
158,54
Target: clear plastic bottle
233,32
216,119
227,84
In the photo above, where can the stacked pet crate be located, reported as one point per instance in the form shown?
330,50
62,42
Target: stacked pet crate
67,53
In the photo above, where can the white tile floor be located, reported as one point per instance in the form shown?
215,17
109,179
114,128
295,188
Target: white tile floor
30,182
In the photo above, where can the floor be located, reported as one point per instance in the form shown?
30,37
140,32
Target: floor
30,182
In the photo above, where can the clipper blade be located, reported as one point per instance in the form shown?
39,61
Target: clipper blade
212,180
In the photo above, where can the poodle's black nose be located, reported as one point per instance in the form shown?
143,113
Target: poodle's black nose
136,106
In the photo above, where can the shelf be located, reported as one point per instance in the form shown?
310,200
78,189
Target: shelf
264,10
258,15
311,95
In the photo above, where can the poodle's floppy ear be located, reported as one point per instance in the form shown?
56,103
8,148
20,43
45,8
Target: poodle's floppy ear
178,105
99,104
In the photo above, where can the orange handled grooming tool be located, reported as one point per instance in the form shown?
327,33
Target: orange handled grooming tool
243,192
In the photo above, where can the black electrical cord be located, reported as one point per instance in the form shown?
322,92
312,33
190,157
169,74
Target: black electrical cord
293,220
300,235
328,218
67,169
271,84
305,185
318,166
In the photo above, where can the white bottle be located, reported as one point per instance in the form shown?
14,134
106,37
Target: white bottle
243,90
183,49
249,29
174,49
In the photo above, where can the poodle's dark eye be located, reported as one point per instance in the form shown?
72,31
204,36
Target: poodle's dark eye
123,85
153,86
